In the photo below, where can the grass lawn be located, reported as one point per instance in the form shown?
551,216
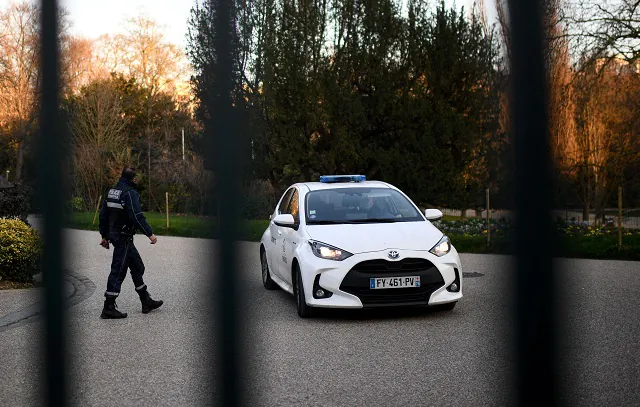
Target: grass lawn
184,226
450,218
593,247
586,247
601,247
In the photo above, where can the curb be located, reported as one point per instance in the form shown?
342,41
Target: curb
83,288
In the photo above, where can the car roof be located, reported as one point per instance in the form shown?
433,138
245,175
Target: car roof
317,186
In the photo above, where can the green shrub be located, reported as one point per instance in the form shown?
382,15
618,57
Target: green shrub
601,246
14,202
258,199
76,204
20,250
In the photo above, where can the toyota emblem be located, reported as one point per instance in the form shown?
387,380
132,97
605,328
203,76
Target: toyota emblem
393,254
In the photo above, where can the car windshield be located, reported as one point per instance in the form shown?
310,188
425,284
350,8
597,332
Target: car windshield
359,205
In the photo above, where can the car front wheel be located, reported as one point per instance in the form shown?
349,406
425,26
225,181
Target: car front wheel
304,310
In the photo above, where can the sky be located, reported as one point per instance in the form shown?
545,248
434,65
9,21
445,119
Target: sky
91,18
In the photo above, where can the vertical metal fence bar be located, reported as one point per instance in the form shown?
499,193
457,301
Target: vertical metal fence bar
620,218
50,191
535,293
488,191
226,151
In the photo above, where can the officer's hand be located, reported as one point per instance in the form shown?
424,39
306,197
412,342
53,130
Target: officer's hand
153,239
105,244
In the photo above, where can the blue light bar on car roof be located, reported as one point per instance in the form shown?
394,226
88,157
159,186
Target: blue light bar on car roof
342,178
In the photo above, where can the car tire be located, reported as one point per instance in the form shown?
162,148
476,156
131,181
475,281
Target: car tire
446,307
268,283
304,310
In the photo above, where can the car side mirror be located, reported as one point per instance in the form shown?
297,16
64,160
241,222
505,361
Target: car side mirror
433,214
285,220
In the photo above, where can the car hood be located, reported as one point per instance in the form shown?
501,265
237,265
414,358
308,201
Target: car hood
371,237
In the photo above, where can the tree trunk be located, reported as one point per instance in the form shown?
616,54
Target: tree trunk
585,212
587,202
20,160
600,217
601,202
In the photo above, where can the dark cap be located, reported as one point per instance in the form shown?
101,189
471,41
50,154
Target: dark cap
129,173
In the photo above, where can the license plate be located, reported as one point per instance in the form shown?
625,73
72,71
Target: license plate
394,282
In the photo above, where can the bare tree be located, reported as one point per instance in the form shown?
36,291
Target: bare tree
108,55
20,70
98,137
607,140
605,30
148,57
560,76
19,77
143,53
78,64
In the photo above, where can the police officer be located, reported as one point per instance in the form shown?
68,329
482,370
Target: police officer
120,216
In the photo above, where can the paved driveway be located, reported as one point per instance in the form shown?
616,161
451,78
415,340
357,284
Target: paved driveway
394,358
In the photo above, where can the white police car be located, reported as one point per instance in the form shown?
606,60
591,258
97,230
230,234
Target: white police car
345,242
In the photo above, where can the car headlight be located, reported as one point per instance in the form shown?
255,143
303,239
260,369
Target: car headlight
325,251
442,247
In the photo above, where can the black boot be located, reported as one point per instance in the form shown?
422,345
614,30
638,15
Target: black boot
110,310
148,304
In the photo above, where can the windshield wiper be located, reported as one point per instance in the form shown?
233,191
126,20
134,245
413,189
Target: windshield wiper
353,221
328,222
377,220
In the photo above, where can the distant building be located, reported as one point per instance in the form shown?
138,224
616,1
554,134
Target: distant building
618,64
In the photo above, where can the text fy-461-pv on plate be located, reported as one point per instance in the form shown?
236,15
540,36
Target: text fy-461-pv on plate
394,282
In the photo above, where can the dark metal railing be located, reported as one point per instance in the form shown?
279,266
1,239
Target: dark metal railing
51,196
534,289
224,153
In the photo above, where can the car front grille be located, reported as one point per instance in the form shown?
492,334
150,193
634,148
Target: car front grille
410,265
356,282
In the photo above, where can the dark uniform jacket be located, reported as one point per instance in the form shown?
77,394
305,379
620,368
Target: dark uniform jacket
121,212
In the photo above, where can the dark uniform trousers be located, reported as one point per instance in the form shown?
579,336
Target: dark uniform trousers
125,256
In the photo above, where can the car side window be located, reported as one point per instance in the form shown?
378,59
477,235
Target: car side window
284,204
294,206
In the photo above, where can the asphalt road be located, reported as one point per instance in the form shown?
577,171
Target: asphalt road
356,358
